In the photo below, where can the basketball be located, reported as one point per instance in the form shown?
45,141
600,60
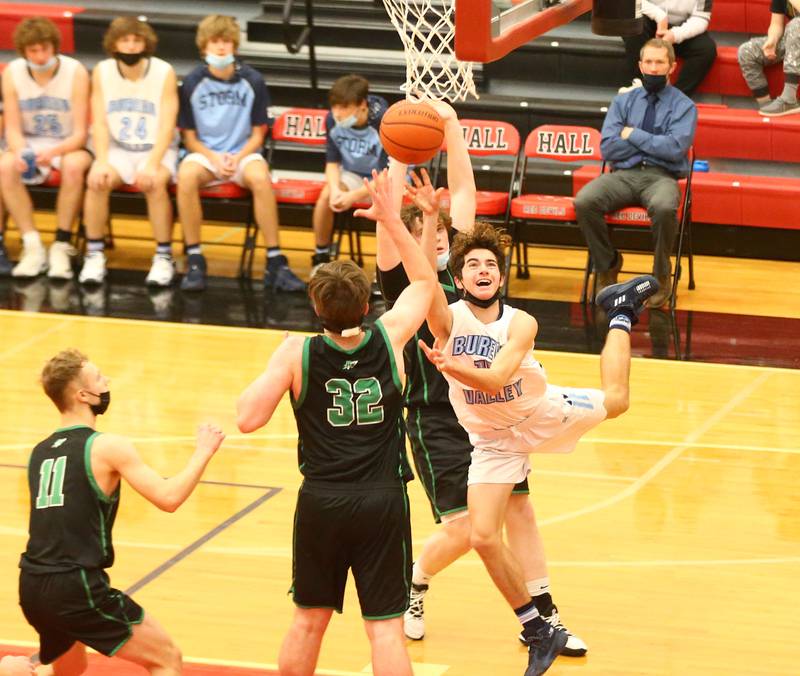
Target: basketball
412,132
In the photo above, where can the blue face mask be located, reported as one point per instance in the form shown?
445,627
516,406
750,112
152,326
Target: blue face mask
220,62
39,67
347,122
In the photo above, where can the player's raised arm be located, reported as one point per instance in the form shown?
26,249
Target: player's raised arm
410,309
261,397
440,317
387,257
521,336
460,178
120,455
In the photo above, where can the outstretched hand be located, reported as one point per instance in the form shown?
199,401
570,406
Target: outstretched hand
436,356
445,110
382,208
424,195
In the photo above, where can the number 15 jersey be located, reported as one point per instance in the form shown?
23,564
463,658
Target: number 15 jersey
349,412
133,106
71,518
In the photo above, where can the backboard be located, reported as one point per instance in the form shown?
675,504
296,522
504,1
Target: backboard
487,30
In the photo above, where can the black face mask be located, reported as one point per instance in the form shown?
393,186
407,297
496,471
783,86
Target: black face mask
480,302
654,83
102,407
129,59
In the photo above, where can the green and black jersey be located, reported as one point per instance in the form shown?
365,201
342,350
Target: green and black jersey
71,518
349,412
425,386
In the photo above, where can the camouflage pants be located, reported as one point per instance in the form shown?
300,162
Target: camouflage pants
752,59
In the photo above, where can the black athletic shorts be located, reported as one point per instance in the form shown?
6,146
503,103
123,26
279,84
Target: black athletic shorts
441,451
77,606
364,529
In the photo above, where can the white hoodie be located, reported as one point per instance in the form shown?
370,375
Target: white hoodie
687,18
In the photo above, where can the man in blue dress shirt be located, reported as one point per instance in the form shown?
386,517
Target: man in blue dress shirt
646,138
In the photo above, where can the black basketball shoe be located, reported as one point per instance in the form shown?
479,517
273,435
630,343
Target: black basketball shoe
627,297
543,648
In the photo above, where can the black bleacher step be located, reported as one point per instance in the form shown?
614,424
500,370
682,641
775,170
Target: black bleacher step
351,9
570,61
176,32
338,31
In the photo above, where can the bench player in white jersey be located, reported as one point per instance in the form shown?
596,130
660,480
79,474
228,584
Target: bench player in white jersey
46,99
500,394
134,111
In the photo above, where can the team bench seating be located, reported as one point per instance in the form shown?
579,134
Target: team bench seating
734,133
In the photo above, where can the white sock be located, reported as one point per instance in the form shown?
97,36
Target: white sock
538,587
32,240
419,576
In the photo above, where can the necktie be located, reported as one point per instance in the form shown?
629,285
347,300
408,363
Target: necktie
648,123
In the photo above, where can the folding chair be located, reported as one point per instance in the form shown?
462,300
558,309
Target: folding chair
486,140
300,129
304,129
565,144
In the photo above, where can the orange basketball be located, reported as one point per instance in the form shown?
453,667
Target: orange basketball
412,132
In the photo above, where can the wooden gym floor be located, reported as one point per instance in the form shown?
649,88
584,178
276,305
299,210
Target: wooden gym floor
672,533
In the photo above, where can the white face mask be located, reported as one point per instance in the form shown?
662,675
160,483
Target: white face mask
39,67
347,122
442,260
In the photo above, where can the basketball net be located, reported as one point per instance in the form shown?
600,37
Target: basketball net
427,30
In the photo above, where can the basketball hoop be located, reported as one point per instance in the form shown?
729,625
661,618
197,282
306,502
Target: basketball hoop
427,29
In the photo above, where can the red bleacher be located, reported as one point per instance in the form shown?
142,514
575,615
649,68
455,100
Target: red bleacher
11,13
744,134
740,16
725,77
733,199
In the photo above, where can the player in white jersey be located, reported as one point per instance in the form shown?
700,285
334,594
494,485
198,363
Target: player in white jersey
501,397
134,111
46,99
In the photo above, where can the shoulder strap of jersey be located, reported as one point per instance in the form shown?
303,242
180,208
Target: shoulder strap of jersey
87,461
305,366
395,373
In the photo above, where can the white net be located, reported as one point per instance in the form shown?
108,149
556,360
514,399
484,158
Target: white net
427,29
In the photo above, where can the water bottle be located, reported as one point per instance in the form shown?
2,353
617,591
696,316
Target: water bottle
29,157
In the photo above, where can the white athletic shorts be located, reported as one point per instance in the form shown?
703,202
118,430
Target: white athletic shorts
563,417
238,176
37,144
351,180
128,162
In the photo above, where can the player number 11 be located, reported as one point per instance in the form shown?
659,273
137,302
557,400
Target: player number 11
51,483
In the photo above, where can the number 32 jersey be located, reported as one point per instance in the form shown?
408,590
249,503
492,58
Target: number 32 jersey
133,106
349,412
45,111
71,518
